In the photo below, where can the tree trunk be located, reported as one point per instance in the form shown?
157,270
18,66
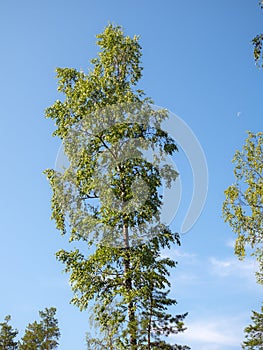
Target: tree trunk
128,286
149,331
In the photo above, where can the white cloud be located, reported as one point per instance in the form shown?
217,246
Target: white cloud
176,253
230,243
232,266
213,334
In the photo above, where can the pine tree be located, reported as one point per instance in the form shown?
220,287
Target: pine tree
43,335
7,335
33,337
254,332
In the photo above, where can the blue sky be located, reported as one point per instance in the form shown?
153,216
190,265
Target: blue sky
198,63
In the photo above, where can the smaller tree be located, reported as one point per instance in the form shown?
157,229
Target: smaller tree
106,330
33,338
7,335
254,332
43,335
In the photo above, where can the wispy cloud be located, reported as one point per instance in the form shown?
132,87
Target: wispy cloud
233,266
213,334
177,254
230,243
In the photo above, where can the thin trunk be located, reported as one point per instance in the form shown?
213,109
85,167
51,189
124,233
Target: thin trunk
149,327
111,343
128,285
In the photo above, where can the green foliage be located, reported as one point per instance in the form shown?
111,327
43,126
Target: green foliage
243,206
108,198
43,335
7,335
257,43
106,332
115,71
153,322
33,337
258,52
254,332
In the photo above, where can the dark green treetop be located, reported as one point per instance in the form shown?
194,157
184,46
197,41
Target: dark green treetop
7,335
254,332
43,335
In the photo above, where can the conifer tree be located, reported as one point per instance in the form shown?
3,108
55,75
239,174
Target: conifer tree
43,335
33,337
254,332
7,335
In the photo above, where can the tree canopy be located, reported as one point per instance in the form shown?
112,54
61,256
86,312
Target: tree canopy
257,43
243,206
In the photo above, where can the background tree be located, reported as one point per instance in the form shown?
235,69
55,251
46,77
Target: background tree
243,206
109,196
7,335
43,335
254,332
106,332
33,337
